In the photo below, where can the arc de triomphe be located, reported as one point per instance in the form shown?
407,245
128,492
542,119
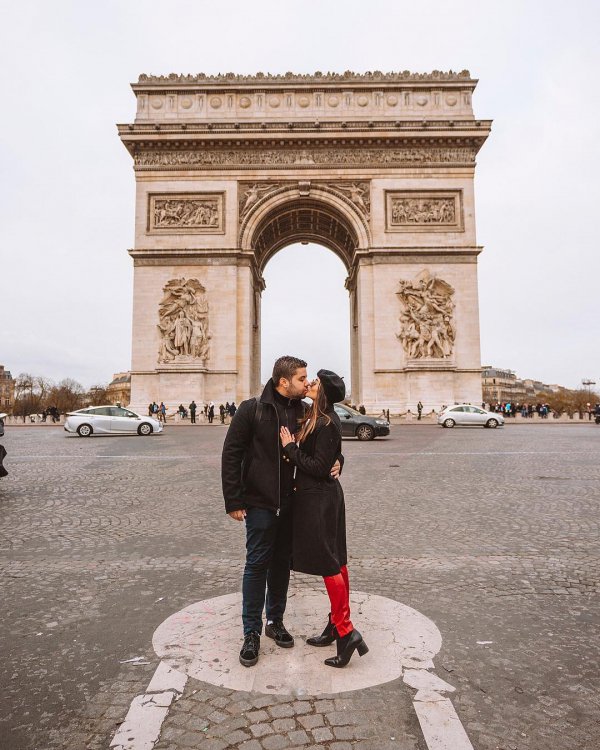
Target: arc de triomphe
376,167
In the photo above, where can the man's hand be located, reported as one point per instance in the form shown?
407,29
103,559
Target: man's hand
237,515
336,470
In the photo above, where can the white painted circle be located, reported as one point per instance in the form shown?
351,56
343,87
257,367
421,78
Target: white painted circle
203,640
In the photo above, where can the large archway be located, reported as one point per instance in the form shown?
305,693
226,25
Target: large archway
378,168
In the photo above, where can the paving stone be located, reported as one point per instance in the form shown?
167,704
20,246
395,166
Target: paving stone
275,742
322,734
299,737
250,745
257,716
284,725
282,711
311,720
260,730
301,707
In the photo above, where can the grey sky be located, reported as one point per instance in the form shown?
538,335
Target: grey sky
67,185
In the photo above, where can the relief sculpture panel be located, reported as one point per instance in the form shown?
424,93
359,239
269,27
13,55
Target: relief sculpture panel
427,211
183,323
427,318
186,213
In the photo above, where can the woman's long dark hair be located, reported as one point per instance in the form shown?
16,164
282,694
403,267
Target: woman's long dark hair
318,411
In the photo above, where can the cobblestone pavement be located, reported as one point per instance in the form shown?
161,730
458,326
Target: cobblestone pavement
493,535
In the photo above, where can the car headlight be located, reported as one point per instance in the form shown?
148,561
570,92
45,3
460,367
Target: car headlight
381,421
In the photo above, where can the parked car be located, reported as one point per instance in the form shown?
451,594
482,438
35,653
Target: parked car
355,424
110,420
3,471
469,416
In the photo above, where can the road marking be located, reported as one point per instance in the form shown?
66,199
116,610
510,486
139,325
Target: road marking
202,641
141,728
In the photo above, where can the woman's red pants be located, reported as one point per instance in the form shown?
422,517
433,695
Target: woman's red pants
338,588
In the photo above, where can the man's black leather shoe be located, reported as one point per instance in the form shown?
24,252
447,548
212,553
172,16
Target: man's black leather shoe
250,649
276,630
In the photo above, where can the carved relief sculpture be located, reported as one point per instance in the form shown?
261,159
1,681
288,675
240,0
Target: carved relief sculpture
183,322
250,194
358,192
219,157
190,213
412,211
427,317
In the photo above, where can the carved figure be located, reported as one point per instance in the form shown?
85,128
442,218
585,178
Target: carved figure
426,320
183,321
358,194
253,194
423,211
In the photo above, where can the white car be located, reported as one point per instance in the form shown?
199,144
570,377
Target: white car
104,420
469,415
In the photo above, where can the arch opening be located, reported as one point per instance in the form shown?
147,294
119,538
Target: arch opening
305,309
304,220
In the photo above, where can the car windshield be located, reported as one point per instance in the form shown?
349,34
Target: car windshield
349,409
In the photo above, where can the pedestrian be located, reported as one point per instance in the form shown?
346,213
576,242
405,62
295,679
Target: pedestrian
318,513
362,409
163,412
192,408
222,413
232,409
419,409
150,409
258,481
211,412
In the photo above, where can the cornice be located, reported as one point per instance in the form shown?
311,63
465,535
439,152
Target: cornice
317,79
134,131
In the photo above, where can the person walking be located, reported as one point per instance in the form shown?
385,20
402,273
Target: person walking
318,513
163,412
419,410
232,409
192,407
150,410
258,481
222,413
211,412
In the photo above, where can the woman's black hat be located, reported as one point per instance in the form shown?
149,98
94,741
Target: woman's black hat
333,386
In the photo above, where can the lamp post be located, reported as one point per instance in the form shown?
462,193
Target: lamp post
587,383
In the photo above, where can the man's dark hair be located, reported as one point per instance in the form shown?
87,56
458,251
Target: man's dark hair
285,367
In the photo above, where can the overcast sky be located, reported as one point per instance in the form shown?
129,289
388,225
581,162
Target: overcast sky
67,185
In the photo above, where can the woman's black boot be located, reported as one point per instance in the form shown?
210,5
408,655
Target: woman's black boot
327,637
346,647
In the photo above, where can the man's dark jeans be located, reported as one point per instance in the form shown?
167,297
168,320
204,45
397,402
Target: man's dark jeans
268,558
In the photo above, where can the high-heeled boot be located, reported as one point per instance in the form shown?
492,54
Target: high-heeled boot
327,637
346,646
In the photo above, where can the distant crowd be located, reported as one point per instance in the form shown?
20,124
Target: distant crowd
208,411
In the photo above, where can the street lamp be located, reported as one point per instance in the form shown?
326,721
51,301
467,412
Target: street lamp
586,382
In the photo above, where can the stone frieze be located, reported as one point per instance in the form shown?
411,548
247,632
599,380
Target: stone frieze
306,157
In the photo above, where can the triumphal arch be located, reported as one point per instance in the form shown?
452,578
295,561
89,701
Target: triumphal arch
377,167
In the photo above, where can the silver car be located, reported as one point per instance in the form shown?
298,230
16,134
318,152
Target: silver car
104,420
470,416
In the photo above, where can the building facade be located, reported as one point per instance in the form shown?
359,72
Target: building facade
7,391
379,168
119,388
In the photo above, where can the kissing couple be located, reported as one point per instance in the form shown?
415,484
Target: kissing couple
280,473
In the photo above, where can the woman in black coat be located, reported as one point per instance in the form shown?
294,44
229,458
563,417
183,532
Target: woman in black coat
319,521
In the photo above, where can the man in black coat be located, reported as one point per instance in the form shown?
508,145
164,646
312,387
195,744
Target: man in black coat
258,480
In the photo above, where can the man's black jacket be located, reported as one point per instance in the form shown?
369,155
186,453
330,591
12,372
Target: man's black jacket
250,465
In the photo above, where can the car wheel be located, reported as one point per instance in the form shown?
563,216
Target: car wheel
492,423
365,432
449,423
145,429
84,430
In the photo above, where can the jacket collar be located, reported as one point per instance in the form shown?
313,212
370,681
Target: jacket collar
268,394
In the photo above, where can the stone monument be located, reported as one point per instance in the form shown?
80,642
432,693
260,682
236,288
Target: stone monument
377,167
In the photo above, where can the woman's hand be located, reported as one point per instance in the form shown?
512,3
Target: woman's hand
286,436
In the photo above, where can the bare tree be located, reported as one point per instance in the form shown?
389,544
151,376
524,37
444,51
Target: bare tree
67,395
